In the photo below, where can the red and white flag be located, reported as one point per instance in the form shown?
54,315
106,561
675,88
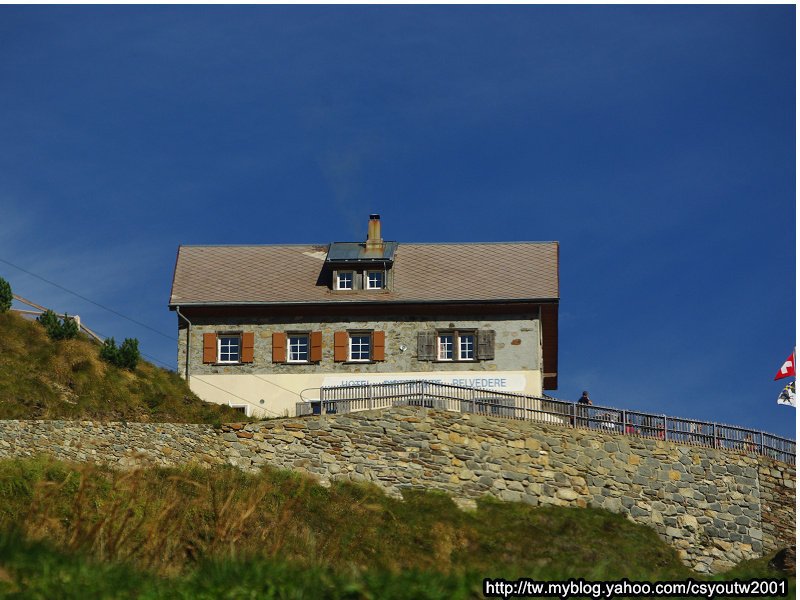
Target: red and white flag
787,370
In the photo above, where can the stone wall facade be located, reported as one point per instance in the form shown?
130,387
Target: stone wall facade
517,346
264,388
716,507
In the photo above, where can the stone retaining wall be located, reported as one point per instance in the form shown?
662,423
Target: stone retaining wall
778,509
716,507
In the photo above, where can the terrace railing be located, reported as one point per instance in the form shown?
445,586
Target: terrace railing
442,396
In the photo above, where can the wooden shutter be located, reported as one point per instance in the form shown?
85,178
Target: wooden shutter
279,347
485,344
426,345
248,345
340,340
209,348
378,345
315,341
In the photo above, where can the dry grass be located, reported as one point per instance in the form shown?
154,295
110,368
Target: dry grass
221,533
163,520
171,520
45,379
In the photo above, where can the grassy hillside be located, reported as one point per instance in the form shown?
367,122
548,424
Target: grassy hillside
172,518
43,379
220,533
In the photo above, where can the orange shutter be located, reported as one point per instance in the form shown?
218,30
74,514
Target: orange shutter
316,346
340,339
248,343
209,348
279,347
378,345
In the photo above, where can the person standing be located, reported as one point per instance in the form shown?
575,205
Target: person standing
583,411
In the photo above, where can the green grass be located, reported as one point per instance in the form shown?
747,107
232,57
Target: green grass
45,379
33,571
221,533
36,570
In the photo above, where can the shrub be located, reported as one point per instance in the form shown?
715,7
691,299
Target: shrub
109,351
58,328
129,354
69,328
126,356
49,321
5,295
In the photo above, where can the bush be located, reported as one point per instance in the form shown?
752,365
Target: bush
126,356
5,295
69,328
58,328
109,351
129,354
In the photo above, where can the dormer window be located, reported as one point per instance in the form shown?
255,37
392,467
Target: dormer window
361,266
375,280
344,280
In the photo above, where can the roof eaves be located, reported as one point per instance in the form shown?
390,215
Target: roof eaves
366,302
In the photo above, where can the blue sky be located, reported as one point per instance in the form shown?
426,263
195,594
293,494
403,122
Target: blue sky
655,143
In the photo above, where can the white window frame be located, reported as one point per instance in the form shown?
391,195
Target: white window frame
359,334
457,353
298,336
229,336
442,346
368,283
461,338
352,275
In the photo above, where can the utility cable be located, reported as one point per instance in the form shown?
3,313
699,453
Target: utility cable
199,378
277,386
111,310
152,358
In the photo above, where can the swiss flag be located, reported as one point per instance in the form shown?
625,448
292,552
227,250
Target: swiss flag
787,370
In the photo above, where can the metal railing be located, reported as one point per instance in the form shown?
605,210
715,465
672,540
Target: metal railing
443,396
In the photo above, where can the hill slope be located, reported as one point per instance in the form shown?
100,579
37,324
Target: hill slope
220,533
45,379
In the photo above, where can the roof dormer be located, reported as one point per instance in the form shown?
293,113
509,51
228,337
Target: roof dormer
362,265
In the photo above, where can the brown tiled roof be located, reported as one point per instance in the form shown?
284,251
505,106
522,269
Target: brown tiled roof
422,272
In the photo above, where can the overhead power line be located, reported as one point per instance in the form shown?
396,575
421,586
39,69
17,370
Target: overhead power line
111,310
230,393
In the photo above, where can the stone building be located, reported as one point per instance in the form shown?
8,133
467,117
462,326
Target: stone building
263,327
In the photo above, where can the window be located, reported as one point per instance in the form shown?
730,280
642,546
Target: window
344,280
375,280
456,345
360,344
466,345
446,346
229,348
298,347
